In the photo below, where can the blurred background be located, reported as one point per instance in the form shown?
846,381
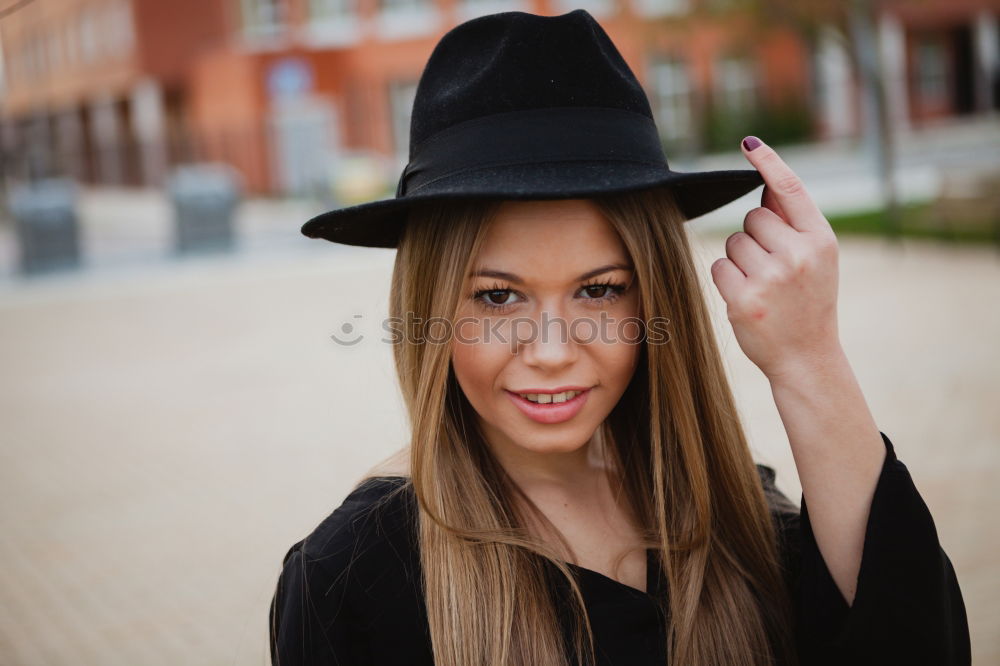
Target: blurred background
174,413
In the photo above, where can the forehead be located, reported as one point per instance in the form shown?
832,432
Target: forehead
550,237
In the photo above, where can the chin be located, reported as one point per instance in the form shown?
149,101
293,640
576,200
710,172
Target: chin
565,441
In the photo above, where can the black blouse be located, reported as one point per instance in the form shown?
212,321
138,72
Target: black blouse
349,593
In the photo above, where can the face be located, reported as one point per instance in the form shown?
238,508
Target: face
546,308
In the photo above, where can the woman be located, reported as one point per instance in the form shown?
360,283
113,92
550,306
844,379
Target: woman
578,487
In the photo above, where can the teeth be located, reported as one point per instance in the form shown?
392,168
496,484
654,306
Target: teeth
545,398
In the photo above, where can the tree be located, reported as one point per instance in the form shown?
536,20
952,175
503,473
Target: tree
853,22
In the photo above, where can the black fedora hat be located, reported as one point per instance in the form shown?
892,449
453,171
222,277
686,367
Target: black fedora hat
520,106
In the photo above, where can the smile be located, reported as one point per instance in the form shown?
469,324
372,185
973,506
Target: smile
545,398
550,407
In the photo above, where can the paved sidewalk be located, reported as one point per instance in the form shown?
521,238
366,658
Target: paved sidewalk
170,430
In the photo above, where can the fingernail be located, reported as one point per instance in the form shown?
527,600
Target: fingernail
751,142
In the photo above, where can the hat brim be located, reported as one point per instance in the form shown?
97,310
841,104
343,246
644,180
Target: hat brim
380,223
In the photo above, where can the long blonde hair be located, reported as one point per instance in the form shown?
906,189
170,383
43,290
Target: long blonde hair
674,440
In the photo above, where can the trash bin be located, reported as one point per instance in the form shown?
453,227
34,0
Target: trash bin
46,224
204,197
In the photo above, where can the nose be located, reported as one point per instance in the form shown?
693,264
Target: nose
547,343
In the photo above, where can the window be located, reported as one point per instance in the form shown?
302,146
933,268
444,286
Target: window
470,9
932,70
408,18
39,67
70,43
401,95
120,30
401,4
736,85
598,8
652,8
671,93
831,83
333,23
262,18
330,9
88,29
55,49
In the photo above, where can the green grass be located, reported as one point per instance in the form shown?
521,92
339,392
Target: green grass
916,221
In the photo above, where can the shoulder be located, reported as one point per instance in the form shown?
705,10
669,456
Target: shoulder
376,512
364,548
335,581
777,501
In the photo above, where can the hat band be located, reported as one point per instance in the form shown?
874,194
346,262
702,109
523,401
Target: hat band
555,134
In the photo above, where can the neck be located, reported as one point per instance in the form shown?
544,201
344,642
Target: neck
568,471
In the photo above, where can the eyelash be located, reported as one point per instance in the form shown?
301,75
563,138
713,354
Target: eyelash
615,290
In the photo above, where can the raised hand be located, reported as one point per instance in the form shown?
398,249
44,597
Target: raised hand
780,278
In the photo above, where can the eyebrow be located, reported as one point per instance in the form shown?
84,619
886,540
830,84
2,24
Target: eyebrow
511,277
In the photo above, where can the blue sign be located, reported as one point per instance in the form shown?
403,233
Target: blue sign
289,77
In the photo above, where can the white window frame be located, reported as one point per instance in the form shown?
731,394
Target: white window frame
256,27
401,95
118,22
933,84
736,82
90,49
333,23
672,88
597,8
659,8
405,19
466,10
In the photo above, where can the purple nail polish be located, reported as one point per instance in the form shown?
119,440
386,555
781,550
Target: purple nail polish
751,142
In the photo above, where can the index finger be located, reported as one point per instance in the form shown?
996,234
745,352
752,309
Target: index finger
800,210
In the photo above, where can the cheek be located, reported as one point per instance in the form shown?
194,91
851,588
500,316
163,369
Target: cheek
617,361
477,367
615,339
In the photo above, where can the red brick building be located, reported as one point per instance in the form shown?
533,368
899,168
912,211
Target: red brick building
97,89
334,73
115,91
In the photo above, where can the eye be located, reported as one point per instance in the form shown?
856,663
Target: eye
498,296
604,292
489,298
597,290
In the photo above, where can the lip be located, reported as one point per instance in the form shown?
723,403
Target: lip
561,389
551,412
